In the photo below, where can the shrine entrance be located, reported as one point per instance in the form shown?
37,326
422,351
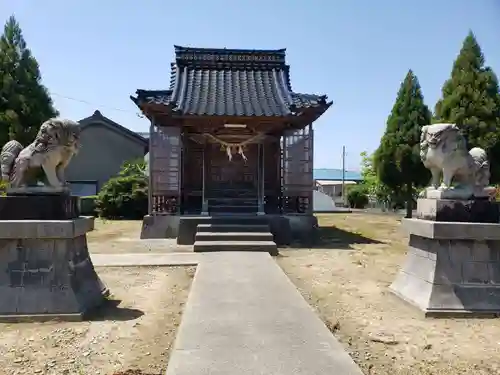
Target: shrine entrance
232,184
232,178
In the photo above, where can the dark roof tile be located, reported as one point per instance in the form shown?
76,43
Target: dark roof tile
224,82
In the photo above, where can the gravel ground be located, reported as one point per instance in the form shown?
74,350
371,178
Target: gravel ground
133,333
346,279
122,236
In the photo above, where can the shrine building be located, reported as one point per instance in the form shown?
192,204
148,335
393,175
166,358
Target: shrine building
228,139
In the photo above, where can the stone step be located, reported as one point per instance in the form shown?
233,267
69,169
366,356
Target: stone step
239,220
232,228
236,200
233,208
233,236
211,246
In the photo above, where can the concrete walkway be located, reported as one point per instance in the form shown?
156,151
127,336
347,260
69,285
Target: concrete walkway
244,316
146,259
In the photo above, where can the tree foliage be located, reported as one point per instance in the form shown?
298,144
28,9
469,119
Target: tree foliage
133,168
397,160
471,99
375,188
24,101
357,197
125,196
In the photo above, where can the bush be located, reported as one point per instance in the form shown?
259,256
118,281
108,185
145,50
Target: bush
125,196
358,197
87,205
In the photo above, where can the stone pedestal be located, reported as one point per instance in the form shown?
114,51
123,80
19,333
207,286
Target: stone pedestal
38,207
453,210
46,271
451,268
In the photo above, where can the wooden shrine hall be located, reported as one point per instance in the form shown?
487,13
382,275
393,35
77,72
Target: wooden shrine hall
228,137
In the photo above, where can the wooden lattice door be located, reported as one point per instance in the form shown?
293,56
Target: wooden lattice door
165,170
297,170
232,178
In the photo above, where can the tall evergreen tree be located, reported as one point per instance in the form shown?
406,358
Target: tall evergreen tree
24,102
397,160
471,100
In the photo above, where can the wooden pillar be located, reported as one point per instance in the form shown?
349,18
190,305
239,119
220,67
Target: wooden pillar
204,202
280,173
260,179
150,165
311,156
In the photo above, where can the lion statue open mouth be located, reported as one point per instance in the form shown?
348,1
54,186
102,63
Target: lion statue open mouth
54,146
443,151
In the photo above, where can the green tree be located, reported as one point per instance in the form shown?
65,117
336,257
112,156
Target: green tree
397,160
24,102
471,99
376,189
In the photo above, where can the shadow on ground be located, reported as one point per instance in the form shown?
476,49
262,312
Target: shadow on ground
134,372
331,237
110,310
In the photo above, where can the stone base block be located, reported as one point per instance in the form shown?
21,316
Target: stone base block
464,193
473,211
285,228
39,207
38,190
46,270
160,226
451,268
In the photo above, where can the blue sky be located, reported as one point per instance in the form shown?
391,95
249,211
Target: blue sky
356,51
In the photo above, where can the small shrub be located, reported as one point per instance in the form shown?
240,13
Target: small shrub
3,188
87,205
358,197
126,195
123,197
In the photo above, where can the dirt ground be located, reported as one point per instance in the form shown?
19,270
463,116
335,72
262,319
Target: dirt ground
123,236
346,279
133,332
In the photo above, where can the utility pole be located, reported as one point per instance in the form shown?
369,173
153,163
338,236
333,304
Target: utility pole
343,176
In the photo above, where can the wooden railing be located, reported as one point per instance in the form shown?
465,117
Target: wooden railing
162,204
296,204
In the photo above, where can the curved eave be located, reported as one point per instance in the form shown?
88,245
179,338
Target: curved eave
311,113
149,105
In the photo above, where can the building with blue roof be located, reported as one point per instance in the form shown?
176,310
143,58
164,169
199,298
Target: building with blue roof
335,174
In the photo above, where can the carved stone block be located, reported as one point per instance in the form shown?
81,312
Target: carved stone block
460,193
39,207
455,275
47,277
450,210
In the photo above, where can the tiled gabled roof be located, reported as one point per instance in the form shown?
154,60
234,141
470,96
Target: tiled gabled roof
223,82
98,118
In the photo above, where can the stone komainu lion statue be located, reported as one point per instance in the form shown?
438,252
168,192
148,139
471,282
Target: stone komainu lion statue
443,150
54,146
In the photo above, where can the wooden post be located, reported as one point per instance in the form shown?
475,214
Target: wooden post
260,179
150,166
204,205
180,176
311,158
